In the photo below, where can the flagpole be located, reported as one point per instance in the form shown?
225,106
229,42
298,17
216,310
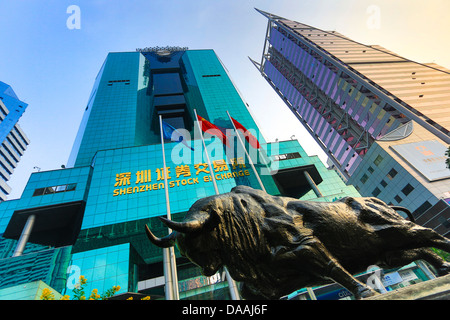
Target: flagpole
248,156
231,283
170,273
206,153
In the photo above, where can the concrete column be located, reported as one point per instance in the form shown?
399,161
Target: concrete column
312,184
24,236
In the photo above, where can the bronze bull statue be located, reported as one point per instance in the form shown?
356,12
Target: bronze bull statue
276,245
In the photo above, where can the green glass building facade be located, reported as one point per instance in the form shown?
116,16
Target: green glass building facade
88,218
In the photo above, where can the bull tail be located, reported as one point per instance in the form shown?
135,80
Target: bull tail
410,216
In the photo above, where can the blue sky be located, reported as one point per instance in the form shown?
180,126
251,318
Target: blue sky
52,68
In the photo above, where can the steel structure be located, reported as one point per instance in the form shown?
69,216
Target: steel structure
349,95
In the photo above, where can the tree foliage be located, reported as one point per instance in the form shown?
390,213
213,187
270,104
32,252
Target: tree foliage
80,294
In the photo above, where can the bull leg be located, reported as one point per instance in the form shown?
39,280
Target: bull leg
396,259
322,264
341,276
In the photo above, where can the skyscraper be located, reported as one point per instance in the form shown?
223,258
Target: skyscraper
382,120
13,140
88,218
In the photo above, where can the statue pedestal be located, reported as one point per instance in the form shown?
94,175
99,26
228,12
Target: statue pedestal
436,289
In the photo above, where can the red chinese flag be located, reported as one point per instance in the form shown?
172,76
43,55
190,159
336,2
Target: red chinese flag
248,136
206,125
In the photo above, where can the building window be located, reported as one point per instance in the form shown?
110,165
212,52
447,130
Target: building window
166,84
424,207
398,199
38,192
175,121
376,192
383,183
364,178
55,189
392,174
407,189
110,83
286,156
71,187
378,160
444,221
370,169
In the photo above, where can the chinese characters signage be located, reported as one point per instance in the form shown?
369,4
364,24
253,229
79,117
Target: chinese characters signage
181,175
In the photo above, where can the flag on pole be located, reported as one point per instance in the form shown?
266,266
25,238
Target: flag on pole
173,134
169,261
206,125
246,153
248,136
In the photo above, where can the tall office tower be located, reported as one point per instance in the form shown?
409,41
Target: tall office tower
382,120
88,218
13,140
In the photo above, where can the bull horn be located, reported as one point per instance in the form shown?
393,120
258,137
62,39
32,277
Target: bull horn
184,227
165,242
408,213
